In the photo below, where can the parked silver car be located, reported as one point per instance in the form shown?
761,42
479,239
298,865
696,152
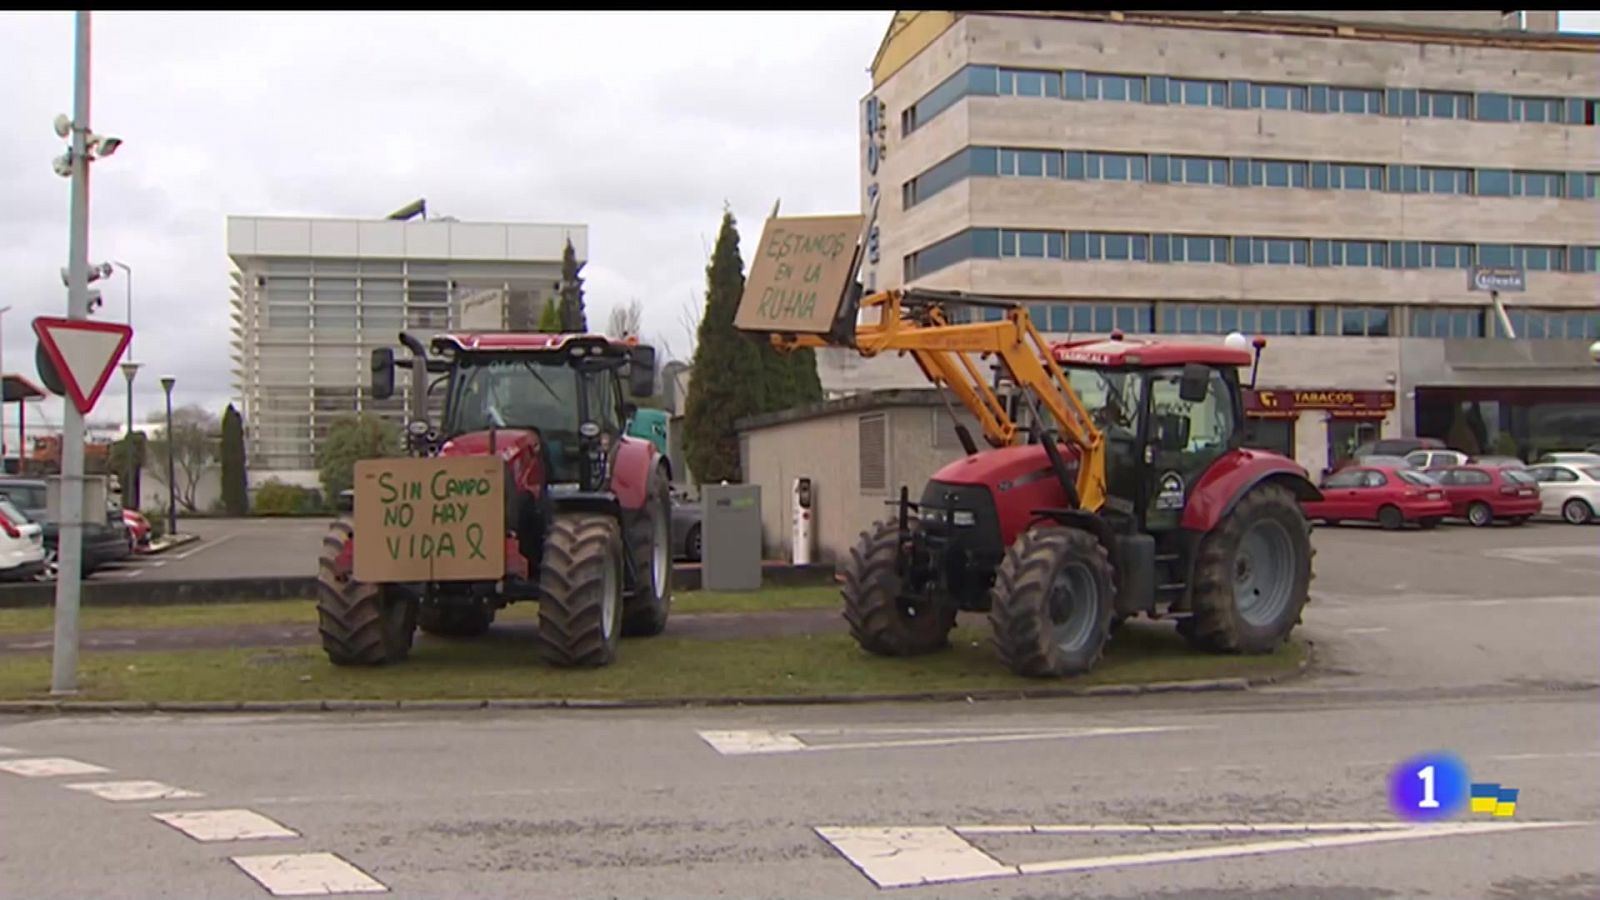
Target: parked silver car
1569,491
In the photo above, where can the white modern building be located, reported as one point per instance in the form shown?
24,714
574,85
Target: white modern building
312,297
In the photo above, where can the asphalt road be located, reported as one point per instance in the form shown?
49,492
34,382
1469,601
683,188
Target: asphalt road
1477,642
230,548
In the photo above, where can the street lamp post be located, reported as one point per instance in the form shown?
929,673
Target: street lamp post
3,311
128,269
130,484
172,469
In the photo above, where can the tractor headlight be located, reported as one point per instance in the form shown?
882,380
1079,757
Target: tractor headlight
589,430
963,517
417,427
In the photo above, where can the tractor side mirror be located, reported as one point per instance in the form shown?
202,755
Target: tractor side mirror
382,373
1196,383
642,371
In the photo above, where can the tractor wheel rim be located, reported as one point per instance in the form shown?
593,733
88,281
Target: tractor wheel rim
608,606
1074,597
660,550
1263,573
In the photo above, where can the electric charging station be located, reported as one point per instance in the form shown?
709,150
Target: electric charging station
803,521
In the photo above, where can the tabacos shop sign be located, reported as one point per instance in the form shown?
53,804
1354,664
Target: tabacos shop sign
875,133
1267,403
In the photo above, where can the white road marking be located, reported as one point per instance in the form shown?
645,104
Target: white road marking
123,791
903,857
205,545
1365,630
1486,603
1544,556
307,875
49,767
741,743
225,825
1511,757
31,645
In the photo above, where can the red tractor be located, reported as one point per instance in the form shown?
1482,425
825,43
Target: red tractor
587,508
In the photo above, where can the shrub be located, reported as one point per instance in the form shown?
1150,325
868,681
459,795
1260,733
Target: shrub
278,499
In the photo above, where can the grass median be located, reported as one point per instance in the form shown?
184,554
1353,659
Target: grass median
288,612
500,666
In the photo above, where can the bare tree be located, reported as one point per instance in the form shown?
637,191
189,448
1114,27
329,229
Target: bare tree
626,320
689,316
193,445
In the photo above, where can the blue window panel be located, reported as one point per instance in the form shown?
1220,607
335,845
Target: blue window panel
1241,172
1319,253
1443,105
1278,97
1208,320
1541,259
1127,318
986,243
1031,244
1412,257
985,161
1082,317
1117,246
1319,98
1169,319
1535,109
1060,317
1250,320
1329,320
1269,320
993,315
1494,182
1577,187
1377,322
1158,169
983,81
1195,92
1077,245
1495,255
1408,102
942,175
1584,259
1357,101
1158,89
1391,102
1075,165
1241,251
944,96
1114,88
1053,244
1073,83
1228,319
1103,320
1052,164
1319,175
1188,320
1146,319
1030,164
1239,94
1494,108
1574,111
1162,251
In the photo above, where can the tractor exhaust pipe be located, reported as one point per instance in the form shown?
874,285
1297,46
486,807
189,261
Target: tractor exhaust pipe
417,406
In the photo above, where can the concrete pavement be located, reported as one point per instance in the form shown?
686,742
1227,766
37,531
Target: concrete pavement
1478,642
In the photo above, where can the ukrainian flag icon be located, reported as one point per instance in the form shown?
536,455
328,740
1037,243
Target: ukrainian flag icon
1486,798
1506,805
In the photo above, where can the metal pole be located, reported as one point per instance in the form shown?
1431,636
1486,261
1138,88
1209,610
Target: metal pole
130,487
128,269
3,311
64,661
172,469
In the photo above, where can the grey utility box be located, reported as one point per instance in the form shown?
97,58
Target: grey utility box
730,529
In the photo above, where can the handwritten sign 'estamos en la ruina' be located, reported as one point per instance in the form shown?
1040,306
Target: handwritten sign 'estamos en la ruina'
798,278
438,519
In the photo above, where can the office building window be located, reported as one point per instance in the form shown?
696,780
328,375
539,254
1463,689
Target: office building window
1028,83
1361,101
1354,321
1111,167
942,175
1197,170
1451,322
1181,248
963,245
1195,92
1030,163
1347,176
1124,88
1537,184
1030,244
1095,245
1430,180
1353,254
1277,173
1220,318
1271,251
1536,109
1552,324
1278,96
1445,105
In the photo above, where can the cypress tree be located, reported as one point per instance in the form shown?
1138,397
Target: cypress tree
235,490
550,319
729,376
573,316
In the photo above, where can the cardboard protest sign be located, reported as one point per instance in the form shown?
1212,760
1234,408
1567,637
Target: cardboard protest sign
798,279
432,519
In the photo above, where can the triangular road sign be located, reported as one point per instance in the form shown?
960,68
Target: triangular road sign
83,353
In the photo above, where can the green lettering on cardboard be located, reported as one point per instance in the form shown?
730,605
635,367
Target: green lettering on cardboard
385,481
394,547
475,541
447,546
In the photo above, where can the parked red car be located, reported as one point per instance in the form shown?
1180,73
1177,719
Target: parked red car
1390,495
1481,494
138,530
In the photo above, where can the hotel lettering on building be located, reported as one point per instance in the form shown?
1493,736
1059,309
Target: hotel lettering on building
1358,188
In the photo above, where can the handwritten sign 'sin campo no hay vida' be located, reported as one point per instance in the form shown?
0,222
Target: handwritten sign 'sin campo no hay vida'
439,519
799,275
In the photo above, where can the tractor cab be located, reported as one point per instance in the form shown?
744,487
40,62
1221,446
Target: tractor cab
1167,411
560,393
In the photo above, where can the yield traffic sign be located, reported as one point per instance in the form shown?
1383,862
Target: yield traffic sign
79,356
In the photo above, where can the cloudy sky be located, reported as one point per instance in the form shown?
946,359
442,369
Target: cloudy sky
639,125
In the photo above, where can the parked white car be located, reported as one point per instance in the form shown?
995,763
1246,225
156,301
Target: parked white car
1432,458
21,544
1571,458
1570,491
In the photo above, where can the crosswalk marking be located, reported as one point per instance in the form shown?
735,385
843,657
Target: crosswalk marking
901,857
125,791
308,874
49,767
225,825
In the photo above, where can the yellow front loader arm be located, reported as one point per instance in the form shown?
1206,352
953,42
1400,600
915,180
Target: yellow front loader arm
913,321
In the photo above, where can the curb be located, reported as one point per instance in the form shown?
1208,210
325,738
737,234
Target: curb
1208,685
179,541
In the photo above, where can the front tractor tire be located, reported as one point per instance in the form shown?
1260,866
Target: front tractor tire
650,544
1252,575
1051,607
581,590
361,624
887,616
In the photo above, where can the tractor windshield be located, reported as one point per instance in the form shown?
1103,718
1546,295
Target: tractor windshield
1111,396
505,390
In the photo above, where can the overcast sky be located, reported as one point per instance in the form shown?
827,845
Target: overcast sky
638,125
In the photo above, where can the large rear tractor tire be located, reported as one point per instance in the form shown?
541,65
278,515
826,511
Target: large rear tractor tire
455,619
1051,606
1252,575
650,541
887,616
580,590
361,624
